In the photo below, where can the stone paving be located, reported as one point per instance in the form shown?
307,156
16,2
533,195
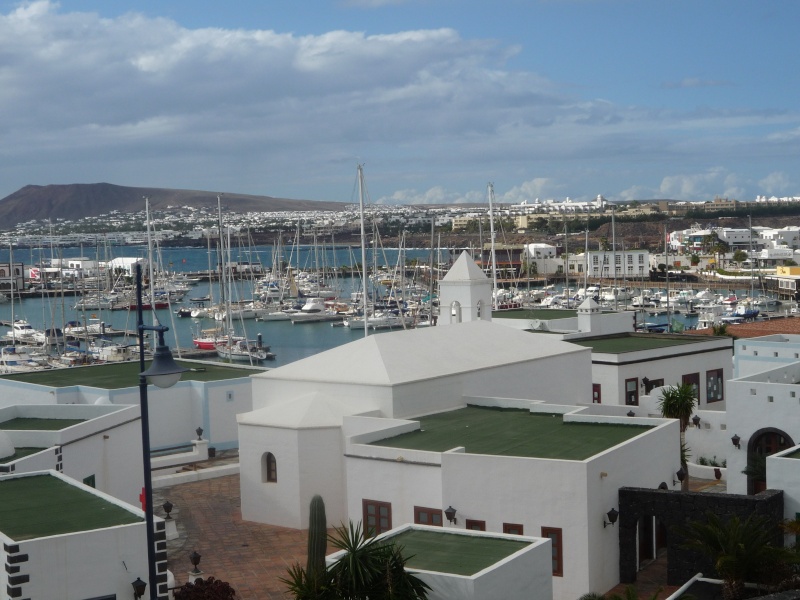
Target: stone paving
250,556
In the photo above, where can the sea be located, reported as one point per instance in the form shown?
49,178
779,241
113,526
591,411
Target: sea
288,342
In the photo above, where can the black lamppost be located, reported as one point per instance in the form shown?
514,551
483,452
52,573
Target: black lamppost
164,372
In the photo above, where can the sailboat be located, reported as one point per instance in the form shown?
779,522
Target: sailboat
230,347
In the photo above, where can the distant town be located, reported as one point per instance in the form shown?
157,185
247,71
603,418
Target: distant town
190,225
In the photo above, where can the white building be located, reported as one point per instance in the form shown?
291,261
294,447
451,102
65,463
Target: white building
622,264
350,424
63,540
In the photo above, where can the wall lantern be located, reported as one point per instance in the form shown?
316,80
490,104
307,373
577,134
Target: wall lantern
736,439
450,513
138,588
645,383
612,515
696,420
681,475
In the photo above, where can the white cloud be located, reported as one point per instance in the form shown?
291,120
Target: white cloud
136,100
435,195
774,183
695,186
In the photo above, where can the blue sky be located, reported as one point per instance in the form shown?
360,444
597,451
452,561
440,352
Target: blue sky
544,98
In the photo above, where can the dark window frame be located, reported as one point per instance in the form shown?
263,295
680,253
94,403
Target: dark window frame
378,504
431,513
270,468
634,392
510,528
556,536
475,525
719,376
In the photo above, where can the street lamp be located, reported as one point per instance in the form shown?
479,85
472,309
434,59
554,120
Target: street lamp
163,372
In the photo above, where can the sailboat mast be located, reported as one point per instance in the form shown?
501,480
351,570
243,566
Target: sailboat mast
566,262
363,247
492,236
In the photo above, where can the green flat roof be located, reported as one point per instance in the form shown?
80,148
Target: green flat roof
453,553
123,375
43,505
34,424
795,454
634,342
543,314
512,432
20,453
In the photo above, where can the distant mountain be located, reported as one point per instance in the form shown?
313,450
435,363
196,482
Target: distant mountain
78,200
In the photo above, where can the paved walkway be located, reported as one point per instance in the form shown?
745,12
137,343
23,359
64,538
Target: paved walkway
250,556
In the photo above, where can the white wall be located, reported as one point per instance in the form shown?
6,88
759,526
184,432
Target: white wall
784,474
274,503
755,403
611,377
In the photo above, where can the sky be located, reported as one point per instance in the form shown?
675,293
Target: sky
548,99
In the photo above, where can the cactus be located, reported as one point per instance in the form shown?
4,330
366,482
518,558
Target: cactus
317,536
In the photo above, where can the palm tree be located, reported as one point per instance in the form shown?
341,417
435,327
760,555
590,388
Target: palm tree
741,550
678,402
369,569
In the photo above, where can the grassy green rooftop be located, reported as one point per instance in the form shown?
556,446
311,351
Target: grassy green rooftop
123,375
512,432
20,453
543,314
634,342
35,424
795,454
452,553
42,505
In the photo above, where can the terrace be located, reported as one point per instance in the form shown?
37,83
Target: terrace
126,374
457,554
513,432
635,342
43,505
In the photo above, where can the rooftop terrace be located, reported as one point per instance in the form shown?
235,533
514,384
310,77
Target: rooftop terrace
123,375
512,432
635,342
43,505
543,314
36,424
452,553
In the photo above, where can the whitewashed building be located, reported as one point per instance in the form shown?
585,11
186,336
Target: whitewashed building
62,540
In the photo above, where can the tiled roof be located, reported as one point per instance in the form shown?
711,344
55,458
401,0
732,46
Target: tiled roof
757,328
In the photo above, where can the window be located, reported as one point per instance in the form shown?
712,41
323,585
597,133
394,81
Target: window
476,525
512,528
714,387
428,516
269,468
632,391
693,379
653,384
597,397
377,516
554,534
479,307
455,312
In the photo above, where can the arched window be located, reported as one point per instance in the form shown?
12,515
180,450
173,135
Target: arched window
2,272
480,309
269,468
455,312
